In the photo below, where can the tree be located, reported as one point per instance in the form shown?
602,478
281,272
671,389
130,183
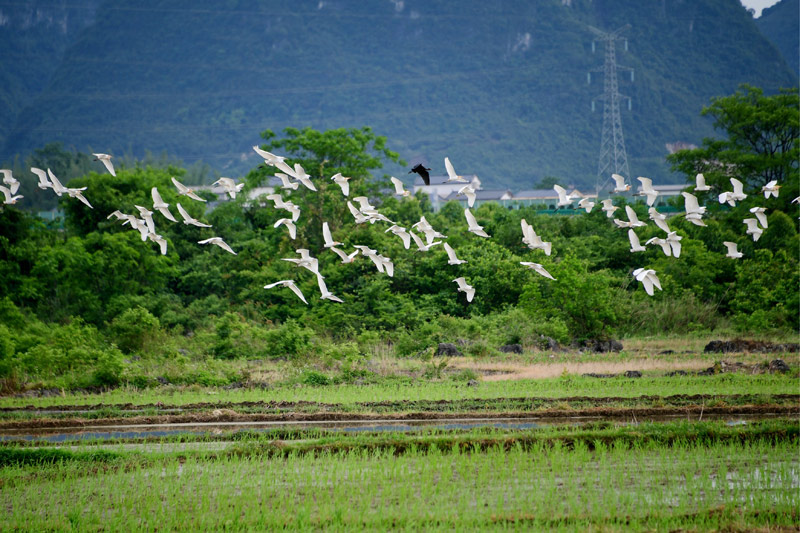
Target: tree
350,151
762,141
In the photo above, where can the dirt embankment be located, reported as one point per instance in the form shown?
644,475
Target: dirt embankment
607,408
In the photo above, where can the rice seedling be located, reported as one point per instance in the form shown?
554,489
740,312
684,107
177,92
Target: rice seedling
643,486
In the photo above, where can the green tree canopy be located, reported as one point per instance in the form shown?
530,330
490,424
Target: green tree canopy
762,144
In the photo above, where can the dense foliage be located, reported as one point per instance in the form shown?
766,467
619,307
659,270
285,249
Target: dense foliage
89,303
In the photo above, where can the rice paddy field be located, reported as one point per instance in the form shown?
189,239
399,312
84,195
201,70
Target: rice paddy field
660,452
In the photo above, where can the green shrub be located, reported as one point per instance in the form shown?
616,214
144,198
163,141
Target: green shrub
108,368
582,299
314,378
288,340
134,329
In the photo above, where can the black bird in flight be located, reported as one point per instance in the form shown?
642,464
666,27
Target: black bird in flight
423,173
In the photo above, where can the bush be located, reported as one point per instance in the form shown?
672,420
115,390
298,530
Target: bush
314,378
108,368
288,340
582,299
134,330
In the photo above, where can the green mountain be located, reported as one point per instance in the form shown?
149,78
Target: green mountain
781,25
501,87
33,38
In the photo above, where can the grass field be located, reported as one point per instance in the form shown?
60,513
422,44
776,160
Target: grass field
604,471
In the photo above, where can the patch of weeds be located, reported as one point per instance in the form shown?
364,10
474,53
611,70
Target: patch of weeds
717,402
465,375
435,370
481,349
353,375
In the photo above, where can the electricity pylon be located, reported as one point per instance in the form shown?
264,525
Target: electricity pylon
613,158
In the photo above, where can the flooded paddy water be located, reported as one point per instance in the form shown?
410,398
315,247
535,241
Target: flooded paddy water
72,435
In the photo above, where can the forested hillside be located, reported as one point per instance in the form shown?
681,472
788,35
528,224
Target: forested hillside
33,38
501,89
781,25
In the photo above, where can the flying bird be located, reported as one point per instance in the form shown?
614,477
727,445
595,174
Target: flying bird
268,157
388,266
302,176
659,219
752,228
451,173
346,258
160,205
663,243
326,234
186,191
219,242
357,215
293,209
306,261
58,188
473,225
286,182
585,203
425,227
635,244
289,225
694,212
609,207
8,179
187,218
648,278
288,283
229,186
326,294
147,215
401,232
466,288
77,193
701,184
648,190
771,188
161,241
759,212
451,256
106,160
674,241
423,173
734,196
733,253
469,192
398,187
564,199
9,196
44,181
533,240
619,183
632,222
536,267
342,182
421,246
